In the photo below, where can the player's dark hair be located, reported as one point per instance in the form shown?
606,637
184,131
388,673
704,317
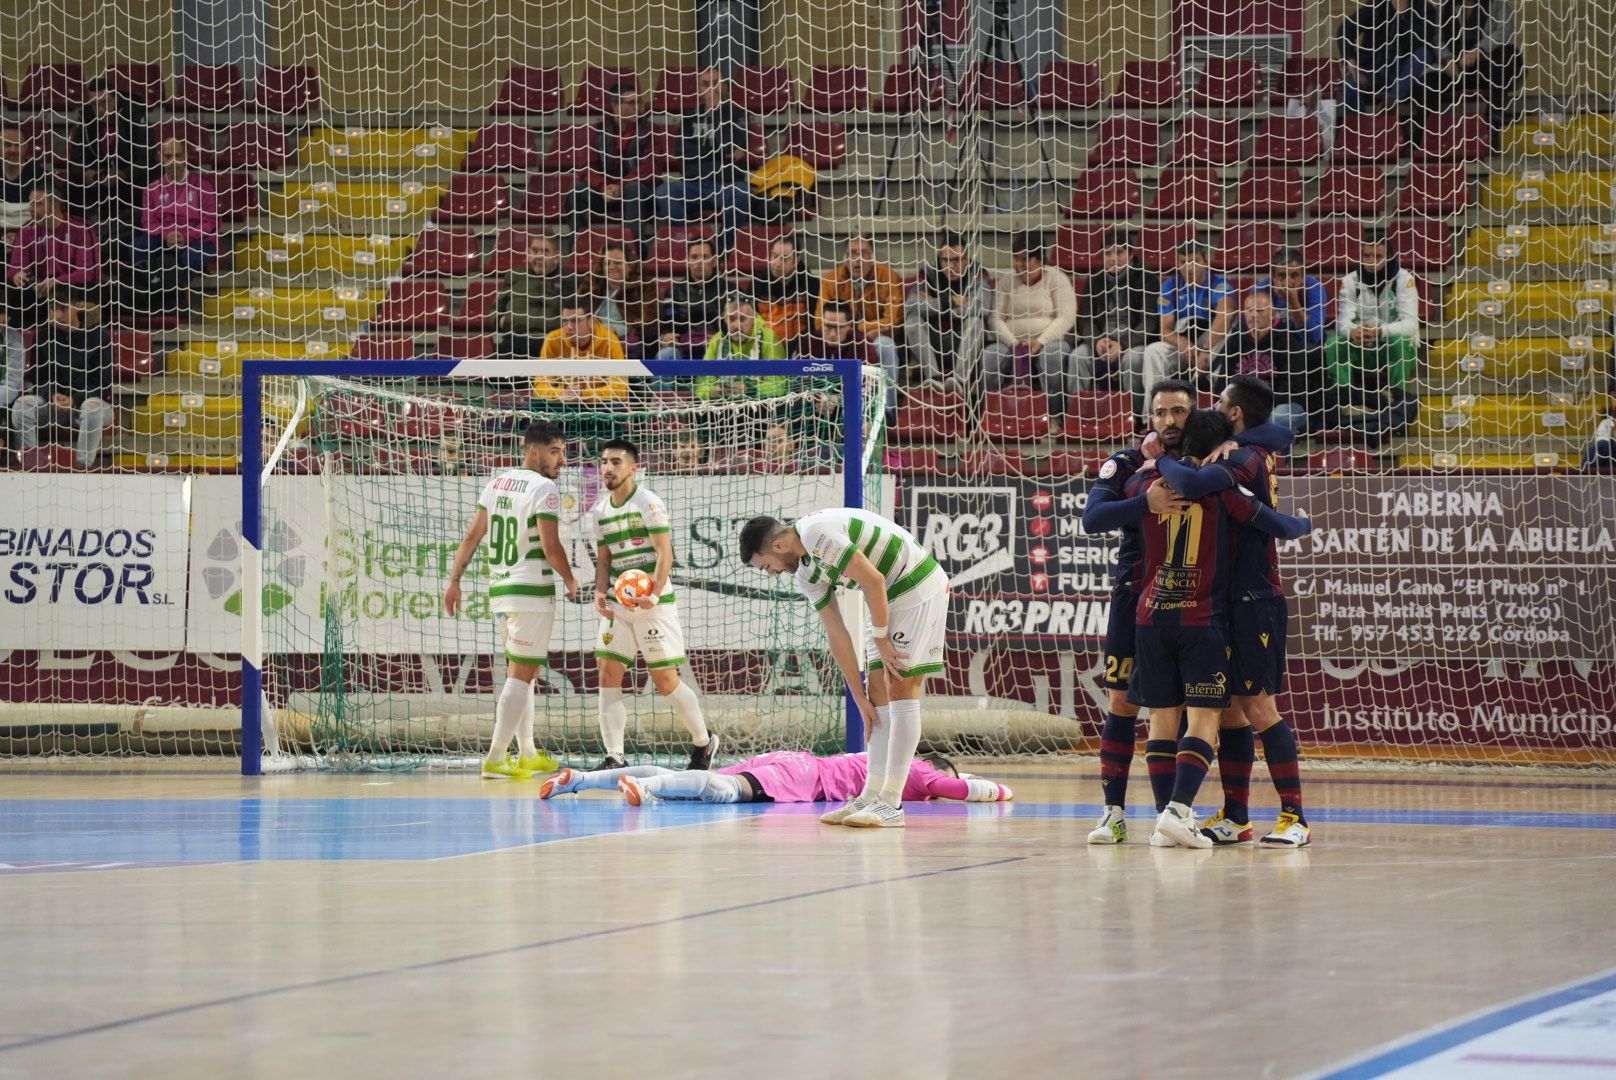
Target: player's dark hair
621,444
1205,431
756,534
1255,398
940,763
542,433
1170,386
1030,244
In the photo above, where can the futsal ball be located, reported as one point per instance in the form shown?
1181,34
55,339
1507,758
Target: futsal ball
633,585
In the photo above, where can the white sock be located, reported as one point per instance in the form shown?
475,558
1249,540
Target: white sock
900,749
878,752
613,721
685,784
508,716
524,731
980,790
687,707
606,779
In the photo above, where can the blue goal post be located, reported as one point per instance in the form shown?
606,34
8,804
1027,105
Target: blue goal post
256,469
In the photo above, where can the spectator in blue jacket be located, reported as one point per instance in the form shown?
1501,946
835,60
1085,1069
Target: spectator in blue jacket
1195,308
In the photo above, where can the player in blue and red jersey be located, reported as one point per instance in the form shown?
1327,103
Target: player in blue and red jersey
1182,653
1257,629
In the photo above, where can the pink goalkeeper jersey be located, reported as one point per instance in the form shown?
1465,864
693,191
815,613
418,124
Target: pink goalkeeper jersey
798,776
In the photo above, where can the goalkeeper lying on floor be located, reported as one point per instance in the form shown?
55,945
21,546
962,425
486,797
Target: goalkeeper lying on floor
787,776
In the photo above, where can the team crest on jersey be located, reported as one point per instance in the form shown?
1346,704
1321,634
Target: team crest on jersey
1248,684
1108,470
606,638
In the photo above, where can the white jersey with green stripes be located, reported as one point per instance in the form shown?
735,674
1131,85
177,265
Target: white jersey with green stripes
625,531
520,578
832,536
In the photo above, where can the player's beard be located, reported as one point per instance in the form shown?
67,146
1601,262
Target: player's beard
614,486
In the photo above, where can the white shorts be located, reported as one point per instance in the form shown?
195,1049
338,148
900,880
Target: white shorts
654,634
525,635
918,625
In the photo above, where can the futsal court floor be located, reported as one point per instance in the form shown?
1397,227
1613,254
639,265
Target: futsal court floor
187,922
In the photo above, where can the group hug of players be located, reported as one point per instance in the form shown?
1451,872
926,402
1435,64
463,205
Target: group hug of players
1197,630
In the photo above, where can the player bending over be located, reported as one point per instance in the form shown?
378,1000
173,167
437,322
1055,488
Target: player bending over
516,513
1257,628
907,596
786,776
632,532
1181,640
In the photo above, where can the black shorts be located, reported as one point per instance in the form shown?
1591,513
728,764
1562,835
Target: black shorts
1257,636
758,794
1180,665
1119,640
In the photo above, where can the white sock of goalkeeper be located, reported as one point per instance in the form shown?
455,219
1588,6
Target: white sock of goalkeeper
700,784
901,743
613,721
524,731
509,714
606,779
687,707
878,752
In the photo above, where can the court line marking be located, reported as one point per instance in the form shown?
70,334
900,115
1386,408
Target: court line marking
638,831
1421,1045
487,954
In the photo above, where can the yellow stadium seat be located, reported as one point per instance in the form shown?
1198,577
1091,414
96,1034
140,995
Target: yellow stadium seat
1592,135
332,310
1516,358
324,253
196,415
1512,462
179,462
1531,300
222,359
1518,245
1582,190
335,201
1520,416
389,149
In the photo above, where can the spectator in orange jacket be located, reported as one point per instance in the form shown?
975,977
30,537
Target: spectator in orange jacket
873,292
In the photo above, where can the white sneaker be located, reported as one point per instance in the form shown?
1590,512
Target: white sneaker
1177,823
1111,828
1223,831
634,791
846,810
877,815
1289,832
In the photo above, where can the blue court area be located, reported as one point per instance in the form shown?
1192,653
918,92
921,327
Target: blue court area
68,834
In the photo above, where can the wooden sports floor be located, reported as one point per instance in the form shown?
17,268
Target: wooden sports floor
186,922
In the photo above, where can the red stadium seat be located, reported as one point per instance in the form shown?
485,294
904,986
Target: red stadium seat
572,148
465,347
1188,193
1308,78
1069,84
992,462
383,347
56,87
670,250
478,309
1077,462
597,83
1289,140
1126,140
1342,460
750,255
210,88
510,249
503,146
1355,190
529,91
763,91
50,459
1248,247
1267,193
254,144
907,89
1158,244
1331,247
678,91
133,352
445,252
822,145
1227,82
1078,246
143,83
1099,416
1435,189
1148,84
997,86
1456,136
1370,137
199,141
411,305
913,461
1421,243
474,198
1208,140
929,416
293,89
1015,415
843,88
1106,193
545,201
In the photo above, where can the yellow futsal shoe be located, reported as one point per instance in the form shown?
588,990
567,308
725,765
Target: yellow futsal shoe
540,762
504,769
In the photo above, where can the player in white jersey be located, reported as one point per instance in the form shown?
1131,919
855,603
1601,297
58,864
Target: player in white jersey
518,513
632,532
907,596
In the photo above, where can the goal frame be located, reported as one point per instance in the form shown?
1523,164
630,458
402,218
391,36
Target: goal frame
256,470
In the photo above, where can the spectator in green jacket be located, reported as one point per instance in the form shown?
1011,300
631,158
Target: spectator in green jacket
744,336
